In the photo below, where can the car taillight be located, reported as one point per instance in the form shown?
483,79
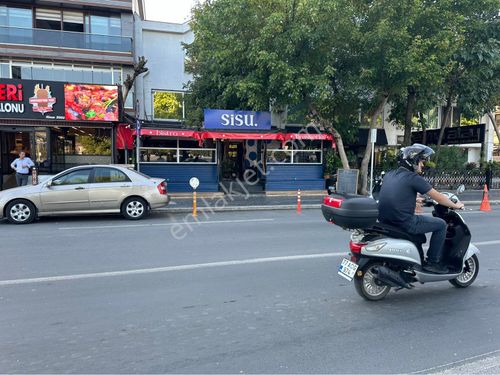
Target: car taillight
333,202
356,247
162,188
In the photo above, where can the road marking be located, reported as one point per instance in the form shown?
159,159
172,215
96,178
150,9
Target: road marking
168,269
485,243
428,370
166,224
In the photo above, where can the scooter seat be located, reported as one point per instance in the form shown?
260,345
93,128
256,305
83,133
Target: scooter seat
396,232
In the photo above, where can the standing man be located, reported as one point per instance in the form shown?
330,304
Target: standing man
22,167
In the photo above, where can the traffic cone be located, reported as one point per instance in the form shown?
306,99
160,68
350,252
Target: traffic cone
299,207
485,204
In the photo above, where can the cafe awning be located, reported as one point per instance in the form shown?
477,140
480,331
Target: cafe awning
200,136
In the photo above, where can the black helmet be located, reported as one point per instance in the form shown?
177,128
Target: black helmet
410,156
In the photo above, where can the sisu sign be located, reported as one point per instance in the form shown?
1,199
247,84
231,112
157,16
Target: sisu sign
243,120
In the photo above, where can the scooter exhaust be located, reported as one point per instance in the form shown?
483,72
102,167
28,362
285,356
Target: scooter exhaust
390,277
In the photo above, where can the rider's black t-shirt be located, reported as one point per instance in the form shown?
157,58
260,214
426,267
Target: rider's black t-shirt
397,199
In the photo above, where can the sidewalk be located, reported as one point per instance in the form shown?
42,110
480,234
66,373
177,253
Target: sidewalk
256,202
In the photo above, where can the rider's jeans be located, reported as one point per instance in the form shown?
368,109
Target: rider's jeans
425,224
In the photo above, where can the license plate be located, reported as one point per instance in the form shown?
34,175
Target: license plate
347,269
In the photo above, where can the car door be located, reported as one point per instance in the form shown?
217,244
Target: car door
109,188
68,192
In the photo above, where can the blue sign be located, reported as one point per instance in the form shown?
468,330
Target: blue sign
242,120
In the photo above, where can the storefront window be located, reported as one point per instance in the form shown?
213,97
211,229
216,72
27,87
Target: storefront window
168,105
177,151
297,152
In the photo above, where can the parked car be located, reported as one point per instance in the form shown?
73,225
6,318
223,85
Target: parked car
86,190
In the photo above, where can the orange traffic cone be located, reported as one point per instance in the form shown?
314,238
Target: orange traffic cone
299,207
485,204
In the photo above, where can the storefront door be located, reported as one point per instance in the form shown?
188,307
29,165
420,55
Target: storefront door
11,144
232,160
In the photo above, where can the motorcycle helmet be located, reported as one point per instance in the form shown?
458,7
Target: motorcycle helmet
410,156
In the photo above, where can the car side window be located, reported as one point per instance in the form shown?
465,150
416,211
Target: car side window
77,177
103,175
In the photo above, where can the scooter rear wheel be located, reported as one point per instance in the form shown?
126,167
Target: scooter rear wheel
368,286
469,273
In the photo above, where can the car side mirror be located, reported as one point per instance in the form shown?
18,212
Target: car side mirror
461,189
49,184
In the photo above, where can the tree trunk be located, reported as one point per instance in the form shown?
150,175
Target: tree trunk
424,128
366,158
410,105
493,121
340,148
447,112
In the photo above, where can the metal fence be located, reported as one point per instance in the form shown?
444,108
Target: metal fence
473,179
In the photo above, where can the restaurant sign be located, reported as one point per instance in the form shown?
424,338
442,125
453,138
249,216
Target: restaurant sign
452,136
234,120
49,100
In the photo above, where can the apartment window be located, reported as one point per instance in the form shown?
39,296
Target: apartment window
49,19
4,70
73,21
103,25
16,17
168,105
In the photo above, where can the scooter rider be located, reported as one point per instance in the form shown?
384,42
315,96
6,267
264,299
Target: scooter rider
398,198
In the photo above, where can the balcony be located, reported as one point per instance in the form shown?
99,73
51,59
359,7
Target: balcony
64,39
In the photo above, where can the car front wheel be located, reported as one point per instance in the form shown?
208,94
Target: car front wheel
134,208
20,211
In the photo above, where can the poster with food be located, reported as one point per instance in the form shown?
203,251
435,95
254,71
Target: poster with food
91,102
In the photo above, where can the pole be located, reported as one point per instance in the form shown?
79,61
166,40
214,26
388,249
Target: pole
138,144
373,139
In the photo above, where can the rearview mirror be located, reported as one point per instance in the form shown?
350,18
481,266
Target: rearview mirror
461,189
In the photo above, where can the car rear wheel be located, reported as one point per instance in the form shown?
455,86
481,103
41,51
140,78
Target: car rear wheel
20,211
134,208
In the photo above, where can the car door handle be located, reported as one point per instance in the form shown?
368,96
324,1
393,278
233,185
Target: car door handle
124,186
80,188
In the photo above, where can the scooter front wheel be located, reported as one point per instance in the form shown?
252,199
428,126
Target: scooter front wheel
368,286
469,273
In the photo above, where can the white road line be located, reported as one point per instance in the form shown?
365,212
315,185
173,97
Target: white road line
167,224
455,363
485,243
168,269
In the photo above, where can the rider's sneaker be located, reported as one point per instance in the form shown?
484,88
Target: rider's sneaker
436,268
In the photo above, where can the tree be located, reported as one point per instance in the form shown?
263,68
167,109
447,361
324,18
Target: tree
139,68
276,53
472,81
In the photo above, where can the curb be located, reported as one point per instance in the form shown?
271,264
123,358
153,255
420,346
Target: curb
265,207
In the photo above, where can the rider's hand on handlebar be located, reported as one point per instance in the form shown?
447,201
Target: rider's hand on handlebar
459,206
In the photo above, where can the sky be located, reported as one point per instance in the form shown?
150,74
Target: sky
175,11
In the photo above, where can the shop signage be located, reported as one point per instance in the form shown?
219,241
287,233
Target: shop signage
49,100
244,120
452,136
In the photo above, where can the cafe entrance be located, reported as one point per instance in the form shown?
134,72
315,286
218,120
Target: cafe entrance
232,160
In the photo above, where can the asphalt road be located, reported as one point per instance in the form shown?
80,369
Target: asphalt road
252,292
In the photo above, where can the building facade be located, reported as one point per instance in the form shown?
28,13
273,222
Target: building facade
66,60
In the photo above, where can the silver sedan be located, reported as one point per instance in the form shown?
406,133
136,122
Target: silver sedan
86,190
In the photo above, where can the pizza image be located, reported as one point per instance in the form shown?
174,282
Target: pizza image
91,102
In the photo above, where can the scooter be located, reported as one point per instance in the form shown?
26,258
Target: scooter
385,257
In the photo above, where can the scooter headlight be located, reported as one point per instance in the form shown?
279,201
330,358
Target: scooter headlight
374,247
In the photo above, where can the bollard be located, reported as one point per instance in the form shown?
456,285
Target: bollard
299,206
195,213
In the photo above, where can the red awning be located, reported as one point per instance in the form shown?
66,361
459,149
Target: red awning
171,133
262,136
308,136
201,136
124,137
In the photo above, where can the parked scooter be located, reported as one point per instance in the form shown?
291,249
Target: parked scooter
385,257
